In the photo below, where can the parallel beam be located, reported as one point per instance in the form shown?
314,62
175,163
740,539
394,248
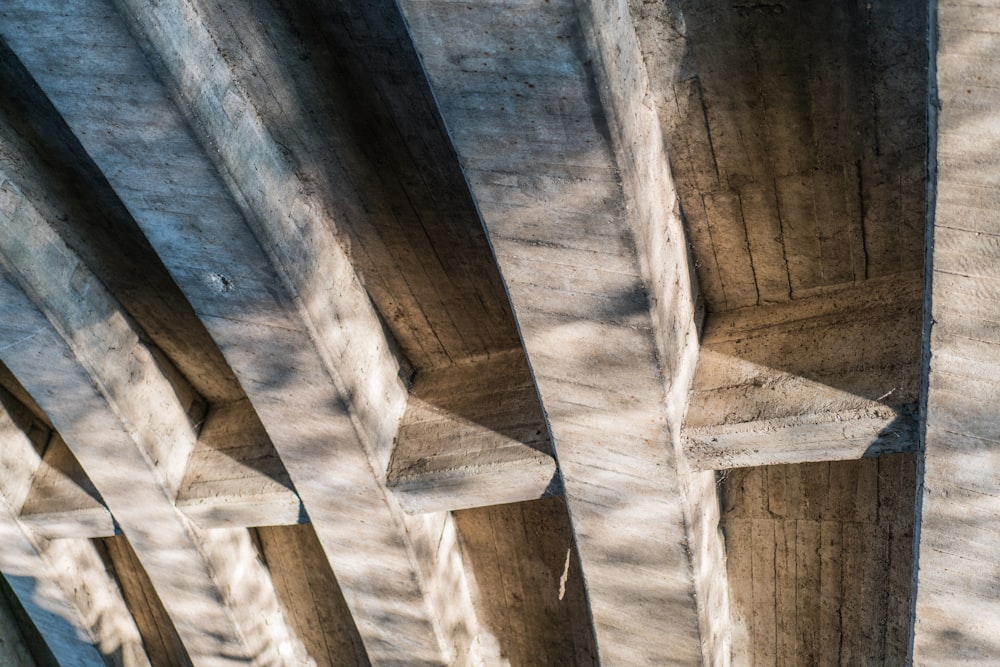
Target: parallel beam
63,588
122,416
280,299
627,82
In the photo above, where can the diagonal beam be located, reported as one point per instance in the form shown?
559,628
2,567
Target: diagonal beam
584,227
280,299
108,396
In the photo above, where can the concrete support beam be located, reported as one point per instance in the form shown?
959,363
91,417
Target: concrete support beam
123,415
957,611
599,284
278,296
62,585
849,389
234,477
479,333
473,435
63,625
831,436
628,86
62,501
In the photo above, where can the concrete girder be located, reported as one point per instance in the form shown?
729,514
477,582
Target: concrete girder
281,301
849,390
77,609
594,261
80,356
957,614
321,189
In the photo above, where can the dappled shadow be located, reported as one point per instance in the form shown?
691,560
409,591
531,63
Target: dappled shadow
59,178
27,644
531,591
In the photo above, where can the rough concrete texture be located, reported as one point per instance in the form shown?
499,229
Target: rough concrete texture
819,561
416,332
957,619
577,266
797,135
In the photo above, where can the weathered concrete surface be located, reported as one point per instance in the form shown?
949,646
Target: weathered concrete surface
519,97
829,377
336,91
835,436
796,132
73,194
123,413
159,636
819,559
473,435
532,594
78,612
314,240
286,311
234,477
311,596
957,619
62,501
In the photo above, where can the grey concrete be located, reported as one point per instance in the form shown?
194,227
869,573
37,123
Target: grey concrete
819,561
296,329
473,435
123,415
234,477
62,595
956,611
554,206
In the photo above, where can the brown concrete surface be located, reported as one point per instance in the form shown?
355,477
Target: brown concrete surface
819,561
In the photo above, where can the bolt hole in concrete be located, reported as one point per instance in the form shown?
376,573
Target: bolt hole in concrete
221,283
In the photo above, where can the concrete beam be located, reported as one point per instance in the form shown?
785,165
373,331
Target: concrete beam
824,378
473,435
62,501
123,415
278,296
957,610
234,477
598,279
830,436
462,308
62,585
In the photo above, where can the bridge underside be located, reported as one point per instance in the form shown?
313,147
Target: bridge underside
431,332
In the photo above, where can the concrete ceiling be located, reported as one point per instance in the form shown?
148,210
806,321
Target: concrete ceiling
431,332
